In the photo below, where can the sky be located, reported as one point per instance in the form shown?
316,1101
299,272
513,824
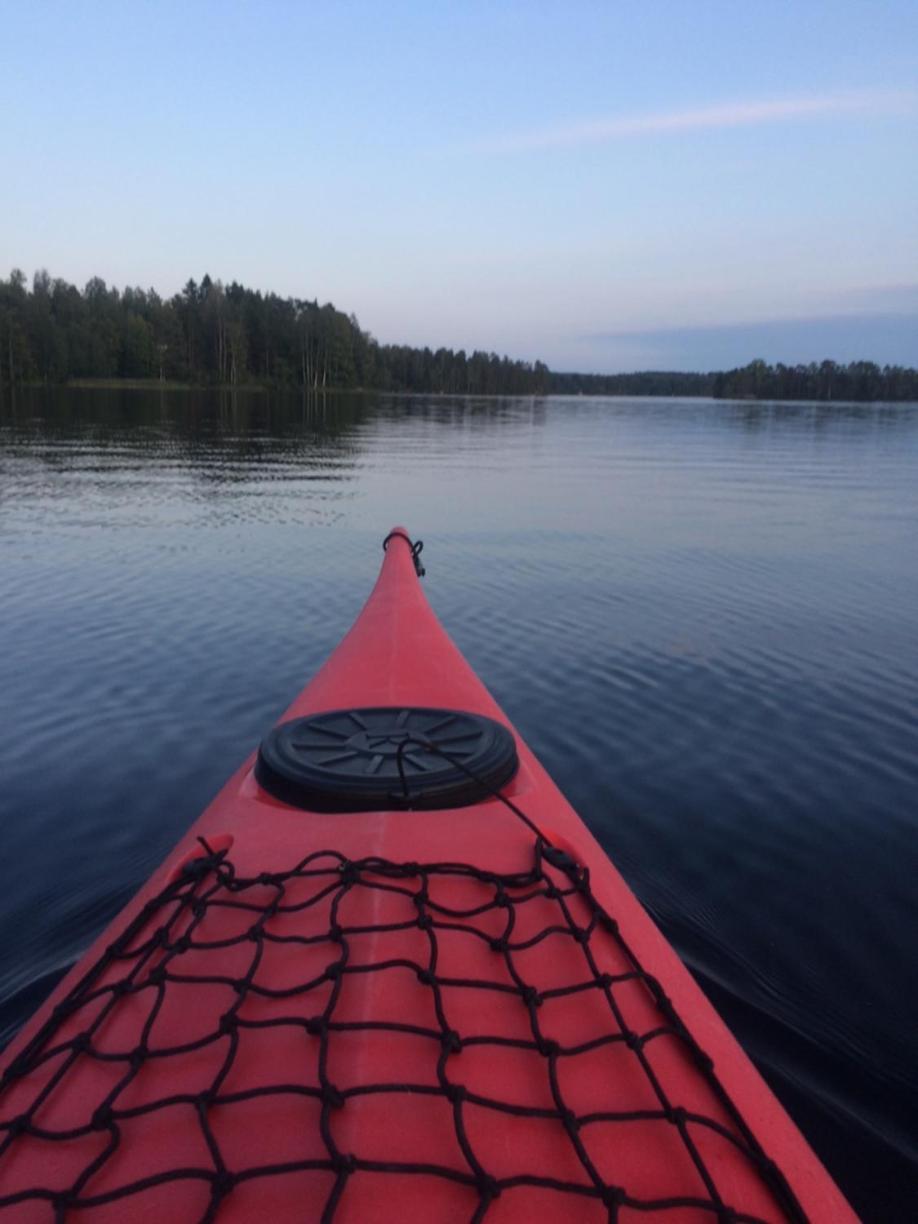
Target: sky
603,186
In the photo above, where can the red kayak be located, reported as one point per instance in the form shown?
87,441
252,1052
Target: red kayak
390,976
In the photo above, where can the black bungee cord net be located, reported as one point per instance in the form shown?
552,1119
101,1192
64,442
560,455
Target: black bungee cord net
306,906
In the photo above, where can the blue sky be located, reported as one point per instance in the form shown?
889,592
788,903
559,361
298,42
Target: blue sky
606,186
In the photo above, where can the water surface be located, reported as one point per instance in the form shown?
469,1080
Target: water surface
701,615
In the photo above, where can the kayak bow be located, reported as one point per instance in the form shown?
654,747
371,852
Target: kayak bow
390,975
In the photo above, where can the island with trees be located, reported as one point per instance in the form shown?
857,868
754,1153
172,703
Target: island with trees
51,332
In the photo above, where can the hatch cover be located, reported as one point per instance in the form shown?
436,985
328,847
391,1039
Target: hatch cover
386,757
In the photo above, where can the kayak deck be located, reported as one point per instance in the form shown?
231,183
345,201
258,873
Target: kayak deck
460,1014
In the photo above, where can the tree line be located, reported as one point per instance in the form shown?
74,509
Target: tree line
824,380
211,334
644,382
53,332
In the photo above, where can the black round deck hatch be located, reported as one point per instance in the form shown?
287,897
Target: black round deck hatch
386,757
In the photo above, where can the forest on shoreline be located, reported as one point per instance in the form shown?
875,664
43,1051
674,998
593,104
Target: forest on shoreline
214,335
863,381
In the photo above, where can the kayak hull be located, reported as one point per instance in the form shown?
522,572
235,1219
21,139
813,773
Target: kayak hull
360,1122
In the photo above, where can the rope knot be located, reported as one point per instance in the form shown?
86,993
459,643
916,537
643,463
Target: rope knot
613,1196
561,859
488,1187
452,1042
199,867
703,1060
222,1183
331,1096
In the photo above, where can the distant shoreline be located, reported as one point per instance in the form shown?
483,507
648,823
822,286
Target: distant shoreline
231,337
167,385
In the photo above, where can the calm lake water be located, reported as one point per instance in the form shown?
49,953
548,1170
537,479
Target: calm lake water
703,617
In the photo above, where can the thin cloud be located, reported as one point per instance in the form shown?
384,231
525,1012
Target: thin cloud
705,118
